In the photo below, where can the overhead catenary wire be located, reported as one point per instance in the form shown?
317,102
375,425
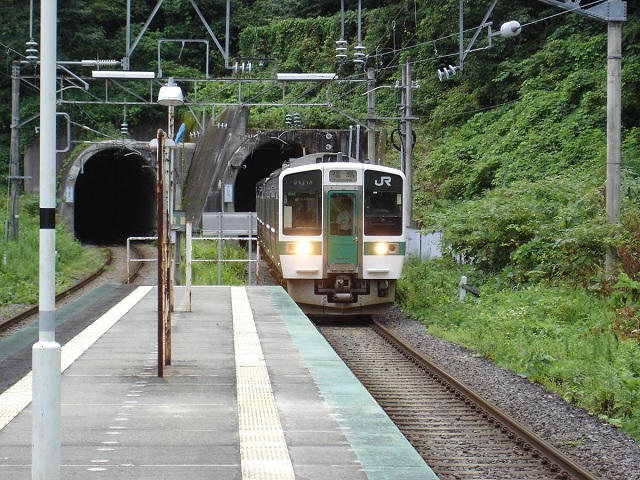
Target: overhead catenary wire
394,53
407,48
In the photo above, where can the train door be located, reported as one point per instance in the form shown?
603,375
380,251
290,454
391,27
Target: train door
342,236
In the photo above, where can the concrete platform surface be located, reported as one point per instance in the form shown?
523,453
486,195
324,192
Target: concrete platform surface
253,391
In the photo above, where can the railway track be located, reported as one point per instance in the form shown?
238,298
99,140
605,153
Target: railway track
112,254
461,435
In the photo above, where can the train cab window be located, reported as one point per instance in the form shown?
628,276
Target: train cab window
383,213
301,214
301,205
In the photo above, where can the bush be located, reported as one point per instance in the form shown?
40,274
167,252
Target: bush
205,271
553,228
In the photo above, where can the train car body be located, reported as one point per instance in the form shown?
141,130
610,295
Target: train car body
334,231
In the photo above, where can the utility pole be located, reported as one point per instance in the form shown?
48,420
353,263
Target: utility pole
46,353
371,116
14,171
614,127
614,12
164,254
407,138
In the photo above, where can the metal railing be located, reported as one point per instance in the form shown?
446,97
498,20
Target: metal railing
132,260
220,260
250,237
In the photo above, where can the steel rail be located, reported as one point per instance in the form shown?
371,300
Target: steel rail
556,459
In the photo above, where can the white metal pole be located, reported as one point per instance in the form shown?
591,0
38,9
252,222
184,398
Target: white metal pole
614,109
46,352
463,292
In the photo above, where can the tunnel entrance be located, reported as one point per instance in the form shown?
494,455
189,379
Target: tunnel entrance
115,197
264,160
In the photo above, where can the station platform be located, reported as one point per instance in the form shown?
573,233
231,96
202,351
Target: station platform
253,391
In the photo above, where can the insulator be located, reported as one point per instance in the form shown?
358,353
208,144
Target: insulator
510,29
359,55
446,72
101,63
341,49
32,51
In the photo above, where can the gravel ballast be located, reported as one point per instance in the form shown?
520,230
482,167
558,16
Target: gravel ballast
595,444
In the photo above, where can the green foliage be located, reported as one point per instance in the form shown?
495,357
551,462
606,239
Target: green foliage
299,45
625,303
552,228
441,276
20,259
205,270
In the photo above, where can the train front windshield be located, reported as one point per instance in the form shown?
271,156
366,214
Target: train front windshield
301,203
382,203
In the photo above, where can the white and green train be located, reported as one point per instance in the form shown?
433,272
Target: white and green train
333,230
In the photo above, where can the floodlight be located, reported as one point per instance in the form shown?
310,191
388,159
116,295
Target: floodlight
170,95
510,29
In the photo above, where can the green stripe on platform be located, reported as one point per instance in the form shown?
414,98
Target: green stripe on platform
382,449
29,334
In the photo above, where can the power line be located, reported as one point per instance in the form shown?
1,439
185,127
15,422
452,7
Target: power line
397,52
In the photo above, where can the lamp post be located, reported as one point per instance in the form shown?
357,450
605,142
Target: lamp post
169,96
46,353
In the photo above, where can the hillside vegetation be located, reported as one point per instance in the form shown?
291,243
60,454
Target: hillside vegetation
509,161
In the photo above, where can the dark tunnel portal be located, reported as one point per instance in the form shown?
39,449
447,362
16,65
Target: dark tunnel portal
115,198
260,164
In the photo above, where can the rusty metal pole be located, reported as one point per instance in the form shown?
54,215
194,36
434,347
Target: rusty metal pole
168,264
160,234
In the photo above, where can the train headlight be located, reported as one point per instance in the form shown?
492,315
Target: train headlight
299,248
384,248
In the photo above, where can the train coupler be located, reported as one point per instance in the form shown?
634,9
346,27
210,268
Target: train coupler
343,289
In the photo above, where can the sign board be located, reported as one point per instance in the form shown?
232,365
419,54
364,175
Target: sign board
228,193
229,224
179,220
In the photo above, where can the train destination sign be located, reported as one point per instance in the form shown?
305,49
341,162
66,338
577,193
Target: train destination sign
343,176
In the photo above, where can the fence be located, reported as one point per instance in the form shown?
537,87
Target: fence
220,227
